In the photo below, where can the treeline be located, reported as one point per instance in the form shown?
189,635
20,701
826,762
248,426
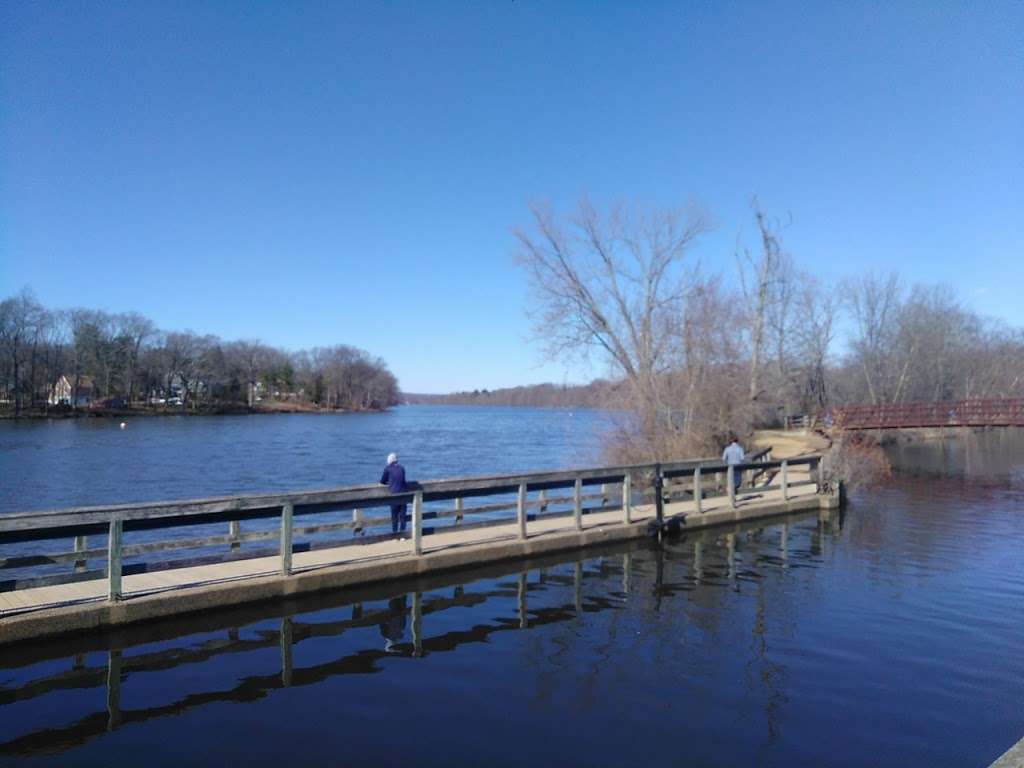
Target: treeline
85,358
698,360
597,394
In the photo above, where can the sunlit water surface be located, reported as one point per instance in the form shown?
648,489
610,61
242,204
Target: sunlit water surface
890,635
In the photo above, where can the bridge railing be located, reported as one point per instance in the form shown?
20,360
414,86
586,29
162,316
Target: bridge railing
1005,412
287,523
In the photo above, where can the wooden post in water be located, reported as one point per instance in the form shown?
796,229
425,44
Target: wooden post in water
627,498
458,510
730,481
80,546
577,503
627,567
730,554
417,523
698,561
521,510
785,480
698,492
114,558
286,539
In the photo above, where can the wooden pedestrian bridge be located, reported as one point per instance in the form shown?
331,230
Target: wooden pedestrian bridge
129,563
1006,412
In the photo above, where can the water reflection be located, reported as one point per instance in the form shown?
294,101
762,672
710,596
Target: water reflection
467,609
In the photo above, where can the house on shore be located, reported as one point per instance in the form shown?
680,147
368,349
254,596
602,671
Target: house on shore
64,392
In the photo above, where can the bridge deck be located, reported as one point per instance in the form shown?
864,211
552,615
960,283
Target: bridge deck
448,538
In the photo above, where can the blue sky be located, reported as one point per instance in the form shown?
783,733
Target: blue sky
314,173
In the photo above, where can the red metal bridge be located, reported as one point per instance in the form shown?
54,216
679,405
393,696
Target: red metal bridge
1007,412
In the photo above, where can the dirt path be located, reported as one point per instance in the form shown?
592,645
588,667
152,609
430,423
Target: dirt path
786,444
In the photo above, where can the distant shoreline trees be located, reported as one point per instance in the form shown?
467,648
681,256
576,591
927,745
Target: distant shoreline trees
55,361
597,394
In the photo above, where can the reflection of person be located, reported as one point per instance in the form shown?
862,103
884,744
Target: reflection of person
392,629
733,454
394,479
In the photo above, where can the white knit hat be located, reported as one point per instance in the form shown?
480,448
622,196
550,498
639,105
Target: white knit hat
392,458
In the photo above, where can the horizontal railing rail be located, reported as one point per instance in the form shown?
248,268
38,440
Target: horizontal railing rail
614,488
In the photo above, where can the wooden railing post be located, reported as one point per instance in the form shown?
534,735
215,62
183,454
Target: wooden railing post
730,475
458,510
234,531
542,499
577,503
698,492
80,546
521,510
114,558
604,495
659,501
785,480
287,511
627,498
417,523
357,519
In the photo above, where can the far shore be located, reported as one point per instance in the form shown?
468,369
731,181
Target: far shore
206,410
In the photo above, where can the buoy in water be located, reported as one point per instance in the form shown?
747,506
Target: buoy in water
123,425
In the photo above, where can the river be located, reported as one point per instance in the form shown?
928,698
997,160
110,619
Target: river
889,635
78,462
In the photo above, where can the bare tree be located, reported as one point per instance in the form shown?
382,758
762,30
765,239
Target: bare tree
135,330
765,282
614,282
814,331
875,304
20,319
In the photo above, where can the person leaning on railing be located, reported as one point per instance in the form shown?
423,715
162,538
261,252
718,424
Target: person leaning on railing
394,478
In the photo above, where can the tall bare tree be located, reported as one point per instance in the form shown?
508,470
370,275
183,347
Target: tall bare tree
765,282
614,282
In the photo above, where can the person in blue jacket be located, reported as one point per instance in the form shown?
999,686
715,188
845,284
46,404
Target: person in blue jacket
394,479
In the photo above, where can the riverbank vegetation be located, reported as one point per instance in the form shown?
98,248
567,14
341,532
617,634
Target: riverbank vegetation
88,361
697,360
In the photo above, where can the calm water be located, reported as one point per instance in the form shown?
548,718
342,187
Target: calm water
892,635
62,463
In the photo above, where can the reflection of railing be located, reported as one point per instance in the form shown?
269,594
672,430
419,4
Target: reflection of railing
412,608
1007,412
614,487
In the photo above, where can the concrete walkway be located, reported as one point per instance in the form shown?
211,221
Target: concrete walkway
1012,758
